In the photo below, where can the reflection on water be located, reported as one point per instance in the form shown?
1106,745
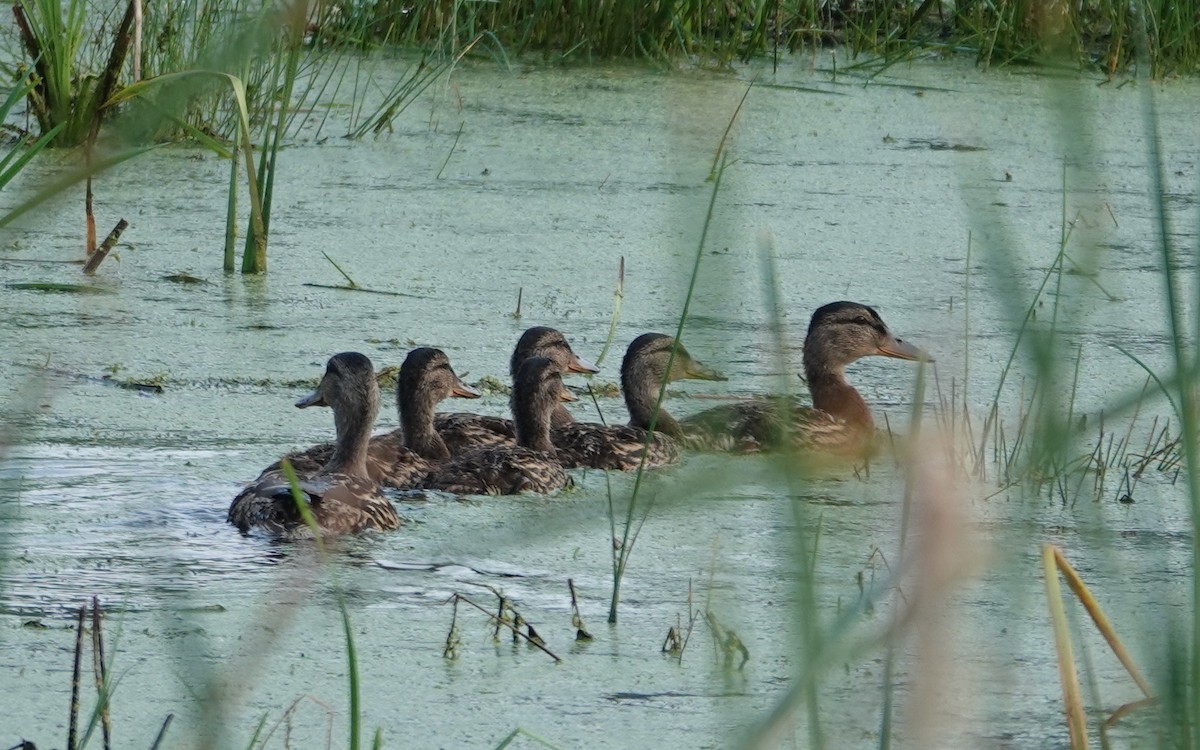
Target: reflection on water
123,493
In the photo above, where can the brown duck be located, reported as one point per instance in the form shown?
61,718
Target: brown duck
341,495
839,420
647,365
530,465
462,430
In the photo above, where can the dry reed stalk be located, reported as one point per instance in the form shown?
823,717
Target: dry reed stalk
581,632
1102,624
1067,675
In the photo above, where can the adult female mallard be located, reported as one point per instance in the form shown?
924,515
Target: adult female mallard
839,420
341,495
529,466
403,457
648,363
462,430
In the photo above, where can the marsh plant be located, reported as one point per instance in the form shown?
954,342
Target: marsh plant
228,76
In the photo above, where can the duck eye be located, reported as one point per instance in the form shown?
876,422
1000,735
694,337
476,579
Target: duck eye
862,320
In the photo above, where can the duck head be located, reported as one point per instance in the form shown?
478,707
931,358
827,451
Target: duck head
541,341
842,332
537,390
349,388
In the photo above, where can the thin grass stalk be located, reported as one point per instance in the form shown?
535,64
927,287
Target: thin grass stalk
162,732
453,146
100,670
355,705
255,258
230,264
629,535
1183,367
812,638
76,669
618,297
241,112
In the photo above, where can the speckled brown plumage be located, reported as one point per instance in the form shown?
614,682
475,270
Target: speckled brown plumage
839,420
340,495
464,431
529,466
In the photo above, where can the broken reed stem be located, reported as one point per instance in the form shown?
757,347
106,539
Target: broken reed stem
1102,624
581,632
1062,644
101,253
73,723
1121,712
101,672
450,649
505,623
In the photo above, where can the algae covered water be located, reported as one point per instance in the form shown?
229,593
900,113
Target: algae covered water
872,190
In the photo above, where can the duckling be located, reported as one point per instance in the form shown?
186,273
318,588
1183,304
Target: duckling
341,495
529,466
620,446
839,420
462,430
403,457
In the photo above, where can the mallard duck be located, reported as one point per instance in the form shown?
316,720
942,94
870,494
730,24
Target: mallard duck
341,495
839,420
403,457
643,371
462,430
528,466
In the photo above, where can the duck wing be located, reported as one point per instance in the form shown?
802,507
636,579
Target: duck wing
619,447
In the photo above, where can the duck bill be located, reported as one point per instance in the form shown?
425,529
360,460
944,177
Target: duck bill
313,399
894,347
581,365
565,395
462,390
697,371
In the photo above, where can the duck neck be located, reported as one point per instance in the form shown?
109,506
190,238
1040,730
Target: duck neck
641,386
416,421
834,396
532,425
350,446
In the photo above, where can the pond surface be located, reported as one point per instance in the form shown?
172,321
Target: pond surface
874,191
